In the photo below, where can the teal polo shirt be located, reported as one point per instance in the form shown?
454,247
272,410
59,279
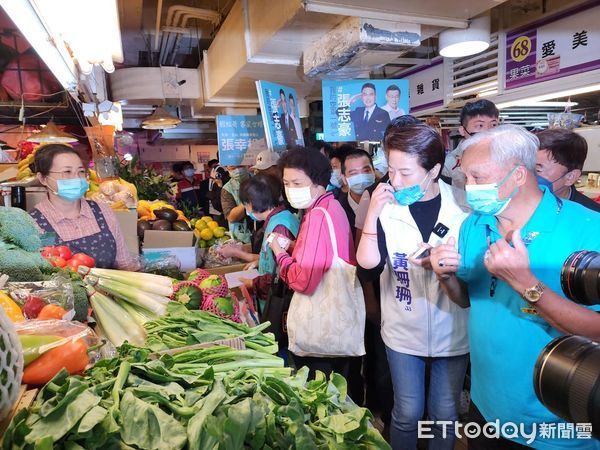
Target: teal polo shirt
505,341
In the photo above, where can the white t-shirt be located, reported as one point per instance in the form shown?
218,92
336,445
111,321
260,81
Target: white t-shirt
352,203
452,167
393,112
361,211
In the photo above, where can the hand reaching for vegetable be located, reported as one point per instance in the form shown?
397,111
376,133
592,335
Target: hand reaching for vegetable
229,251
251,265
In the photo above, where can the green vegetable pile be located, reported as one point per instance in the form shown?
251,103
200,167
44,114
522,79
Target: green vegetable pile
134,402
181,327
20,246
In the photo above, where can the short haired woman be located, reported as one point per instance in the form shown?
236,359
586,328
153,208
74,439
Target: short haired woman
83,226
306,174
420,325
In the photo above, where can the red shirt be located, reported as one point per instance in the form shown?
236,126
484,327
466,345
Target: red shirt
313,253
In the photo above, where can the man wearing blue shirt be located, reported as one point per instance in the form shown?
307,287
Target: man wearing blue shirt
507,269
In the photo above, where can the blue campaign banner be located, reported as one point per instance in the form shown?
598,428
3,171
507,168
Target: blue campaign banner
235,135
281,118
360,110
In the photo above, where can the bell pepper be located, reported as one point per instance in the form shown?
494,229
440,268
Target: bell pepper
72,356
51,311
11,309
34,346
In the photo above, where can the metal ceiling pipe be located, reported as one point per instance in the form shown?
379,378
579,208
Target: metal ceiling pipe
175,13
183,13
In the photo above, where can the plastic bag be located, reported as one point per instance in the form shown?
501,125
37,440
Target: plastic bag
212,256
51,345
34,296
168,266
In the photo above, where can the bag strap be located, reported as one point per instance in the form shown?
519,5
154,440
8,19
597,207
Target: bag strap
332,235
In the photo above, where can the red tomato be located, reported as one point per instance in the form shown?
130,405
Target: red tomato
64,252
83,259
57,261
49,251
73,264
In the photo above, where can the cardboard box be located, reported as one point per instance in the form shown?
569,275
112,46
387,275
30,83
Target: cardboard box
128,223
179,244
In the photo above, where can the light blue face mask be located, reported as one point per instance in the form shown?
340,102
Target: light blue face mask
358,183
72,189
336,178
412,194
239,174
484,198
252,216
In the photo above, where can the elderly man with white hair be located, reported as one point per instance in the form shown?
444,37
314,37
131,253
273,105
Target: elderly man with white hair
507,269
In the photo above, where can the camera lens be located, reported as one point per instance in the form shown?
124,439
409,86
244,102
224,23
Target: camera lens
580,277
567,380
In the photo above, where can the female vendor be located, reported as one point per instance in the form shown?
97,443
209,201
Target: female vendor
83,226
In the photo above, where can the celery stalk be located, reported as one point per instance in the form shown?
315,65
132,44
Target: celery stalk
140,315
116,321
138,279
121,291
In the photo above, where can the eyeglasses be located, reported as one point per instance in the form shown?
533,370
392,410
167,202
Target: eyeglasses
67,174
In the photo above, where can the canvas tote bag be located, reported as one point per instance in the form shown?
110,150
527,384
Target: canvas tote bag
331,321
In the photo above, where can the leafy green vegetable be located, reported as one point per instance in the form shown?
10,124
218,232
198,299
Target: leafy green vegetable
147,426
212,398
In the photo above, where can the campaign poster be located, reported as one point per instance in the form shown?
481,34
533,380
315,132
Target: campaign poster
235,135
281,118
360,110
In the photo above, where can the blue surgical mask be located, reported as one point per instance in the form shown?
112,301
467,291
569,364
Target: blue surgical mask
239,174
412,194
484,198
72,189
336,178
252,216
546,182
358,183
189,172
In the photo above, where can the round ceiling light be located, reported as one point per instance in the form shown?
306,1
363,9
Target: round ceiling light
160,119
457,43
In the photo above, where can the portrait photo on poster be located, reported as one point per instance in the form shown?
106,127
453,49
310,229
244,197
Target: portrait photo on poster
360,110
280,114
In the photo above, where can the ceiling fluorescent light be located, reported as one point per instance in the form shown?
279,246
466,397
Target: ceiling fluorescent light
54,54
550,104
457,43
544,97
90,28
479,88
488,93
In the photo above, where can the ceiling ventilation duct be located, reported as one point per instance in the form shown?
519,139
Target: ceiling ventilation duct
358,46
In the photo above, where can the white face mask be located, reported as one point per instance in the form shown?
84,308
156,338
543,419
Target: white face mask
358,183
299,198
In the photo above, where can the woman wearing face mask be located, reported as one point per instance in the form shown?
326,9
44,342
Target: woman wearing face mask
261,197
233,209
420,325
83,226
306,174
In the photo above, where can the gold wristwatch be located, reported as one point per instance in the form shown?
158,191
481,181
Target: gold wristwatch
533,294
